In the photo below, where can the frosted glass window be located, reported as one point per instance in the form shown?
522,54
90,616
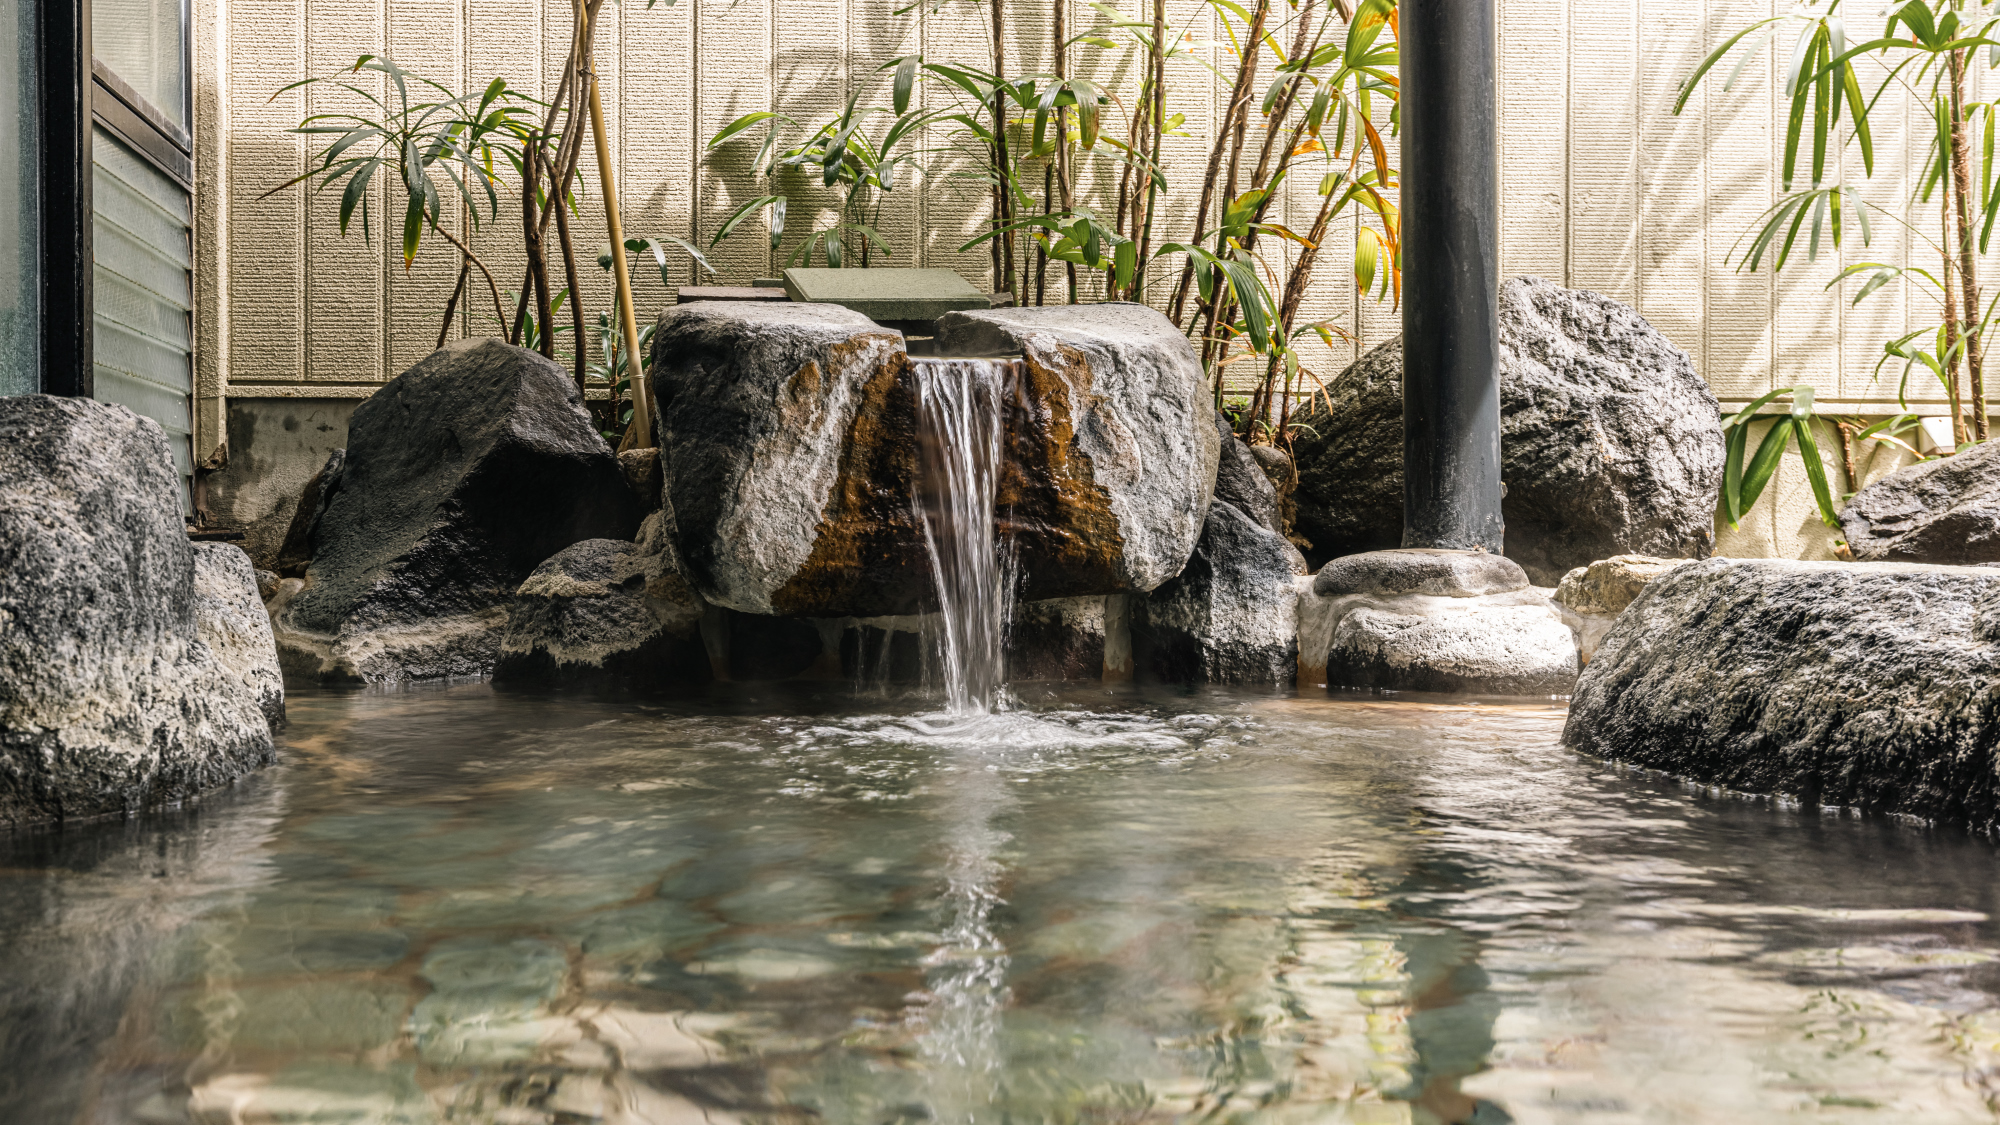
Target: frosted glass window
20,212
143,292
140,40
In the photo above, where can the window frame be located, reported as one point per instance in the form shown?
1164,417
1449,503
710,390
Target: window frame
78,95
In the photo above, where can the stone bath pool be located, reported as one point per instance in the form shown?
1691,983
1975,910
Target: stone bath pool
457,905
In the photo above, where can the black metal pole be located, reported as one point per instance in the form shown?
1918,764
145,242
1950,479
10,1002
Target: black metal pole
67,272
1451,328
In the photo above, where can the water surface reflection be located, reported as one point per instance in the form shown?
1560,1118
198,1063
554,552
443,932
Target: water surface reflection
457,906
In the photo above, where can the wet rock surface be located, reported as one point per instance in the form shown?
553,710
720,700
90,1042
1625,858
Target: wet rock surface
1874,686
607,614
1420,570
1610,443
1943,511
1433,620
1111,444
1070,639
461,475
791,452
788,447
230,619
132,669
1230,616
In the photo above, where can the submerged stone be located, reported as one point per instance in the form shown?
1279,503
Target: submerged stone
135,670
461,475
1870,685
607,614
1610,443
1942,511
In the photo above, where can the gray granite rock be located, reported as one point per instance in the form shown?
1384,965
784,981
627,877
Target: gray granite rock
1284,478
229,618
1590,598
461,475
1868,685
1229,617
112,697
1942,511
642,475
608,615
1240,480
1609,585
1482,649
1610,441
790,452
295,553
1420,570
1111,442
787,446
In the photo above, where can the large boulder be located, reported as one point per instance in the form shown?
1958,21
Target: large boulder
609,615
1942,511
461,475
790,451
788,447
1610,442
1874,686
1230,616
130,673
1110,443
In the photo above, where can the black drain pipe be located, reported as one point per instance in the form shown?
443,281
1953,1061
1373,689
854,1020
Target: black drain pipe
1451,331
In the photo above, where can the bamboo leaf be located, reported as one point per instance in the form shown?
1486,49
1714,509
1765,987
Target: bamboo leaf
906,81
1764,463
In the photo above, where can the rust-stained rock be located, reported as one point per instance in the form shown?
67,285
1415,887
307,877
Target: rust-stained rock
789,451
1111,443
787,436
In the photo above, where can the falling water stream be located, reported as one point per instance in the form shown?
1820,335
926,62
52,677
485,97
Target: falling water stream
958,424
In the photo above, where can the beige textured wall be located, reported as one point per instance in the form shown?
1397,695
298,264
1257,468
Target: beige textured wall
1601,186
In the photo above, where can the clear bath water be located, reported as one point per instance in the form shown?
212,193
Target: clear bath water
457,905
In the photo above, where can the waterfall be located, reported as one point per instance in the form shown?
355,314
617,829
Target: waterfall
958,430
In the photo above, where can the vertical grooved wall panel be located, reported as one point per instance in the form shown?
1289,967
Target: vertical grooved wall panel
1602,185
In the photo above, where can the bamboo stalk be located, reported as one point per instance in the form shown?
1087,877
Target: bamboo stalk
642,415
1968,287
1951,326
1239,107
538,264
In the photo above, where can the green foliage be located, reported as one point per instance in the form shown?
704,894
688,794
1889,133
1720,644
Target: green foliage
453,137
1924,51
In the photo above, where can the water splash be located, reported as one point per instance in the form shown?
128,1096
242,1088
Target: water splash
958,426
